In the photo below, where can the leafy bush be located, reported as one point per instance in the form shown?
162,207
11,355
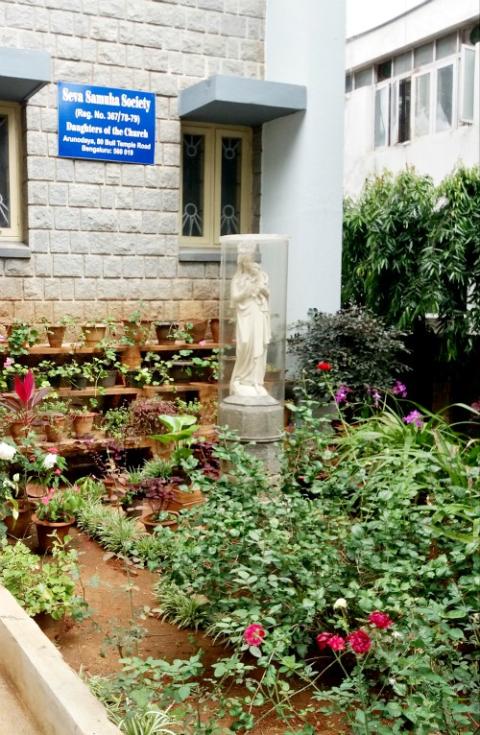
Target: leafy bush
362,353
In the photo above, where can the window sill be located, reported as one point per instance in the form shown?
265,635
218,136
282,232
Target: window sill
199,255
14,250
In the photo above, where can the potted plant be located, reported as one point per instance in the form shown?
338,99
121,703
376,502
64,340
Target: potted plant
54,517
115,422
15,508
38,470
93,333
136,327
165,331
11,369
56,332
145,415
180,431
22,405
55,414
21,336
82,421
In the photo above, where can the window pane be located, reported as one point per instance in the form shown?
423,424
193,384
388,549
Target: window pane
231,186
384,70
381,116
423,54
468,77
444,104
446,46
422,105
404,94
193,169
363,77
348,83
4,174
402,63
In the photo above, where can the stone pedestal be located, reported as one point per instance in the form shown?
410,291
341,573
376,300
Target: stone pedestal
258,420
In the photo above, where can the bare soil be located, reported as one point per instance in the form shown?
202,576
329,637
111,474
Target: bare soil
117,593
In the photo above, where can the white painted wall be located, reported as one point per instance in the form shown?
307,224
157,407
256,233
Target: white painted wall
302,167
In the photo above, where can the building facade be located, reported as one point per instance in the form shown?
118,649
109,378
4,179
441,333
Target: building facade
412,92
90,237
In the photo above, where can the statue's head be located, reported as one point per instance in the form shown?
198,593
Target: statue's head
246,252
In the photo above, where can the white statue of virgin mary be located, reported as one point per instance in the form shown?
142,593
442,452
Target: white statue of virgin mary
250,301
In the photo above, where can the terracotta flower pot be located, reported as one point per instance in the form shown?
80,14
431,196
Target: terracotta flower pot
35,491
199,329
182,499
55,427
18,527
18,430
150,523
215,329
164,332
131,357
94,334
55,336
47,529
82,423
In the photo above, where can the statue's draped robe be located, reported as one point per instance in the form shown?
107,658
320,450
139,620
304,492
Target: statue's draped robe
253,332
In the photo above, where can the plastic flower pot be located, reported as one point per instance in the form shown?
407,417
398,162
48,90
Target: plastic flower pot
109,380
94,334
48,531
164,332
181,371
151,523
215,329
18,527
55,336
82,423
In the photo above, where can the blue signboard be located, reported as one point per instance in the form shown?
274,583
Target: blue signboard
106,124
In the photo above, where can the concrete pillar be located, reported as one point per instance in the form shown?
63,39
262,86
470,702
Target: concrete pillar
302,166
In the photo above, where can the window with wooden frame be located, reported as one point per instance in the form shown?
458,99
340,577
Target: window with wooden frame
216,183
10,178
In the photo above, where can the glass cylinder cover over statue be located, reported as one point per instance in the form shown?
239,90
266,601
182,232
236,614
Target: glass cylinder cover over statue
253,341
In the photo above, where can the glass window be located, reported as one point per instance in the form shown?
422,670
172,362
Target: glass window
363,77
423,55
444,101
446,46
348,82
193,167
404,96
10,179
4,173
384,70
381,116
468,82
216,182
402,63
422,105
231,173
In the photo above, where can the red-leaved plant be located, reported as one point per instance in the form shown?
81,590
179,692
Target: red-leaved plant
23,402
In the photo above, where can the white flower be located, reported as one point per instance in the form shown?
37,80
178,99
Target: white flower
396,634
16,477
7,451
340,604
392,681
50,460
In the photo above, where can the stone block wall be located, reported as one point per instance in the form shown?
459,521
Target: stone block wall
103,236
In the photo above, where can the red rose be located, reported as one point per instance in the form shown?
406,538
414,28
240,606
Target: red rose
322,640
380,619
324,366
359,641
336,643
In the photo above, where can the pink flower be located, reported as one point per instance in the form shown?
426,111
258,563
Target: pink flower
415,418
8,361
399,389
47,498
342,394
336,643
322,640
203,342
58,472
254,634
359,641
380,619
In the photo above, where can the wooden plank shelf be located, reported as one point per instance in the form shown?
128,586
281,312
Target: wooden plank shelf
77,349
